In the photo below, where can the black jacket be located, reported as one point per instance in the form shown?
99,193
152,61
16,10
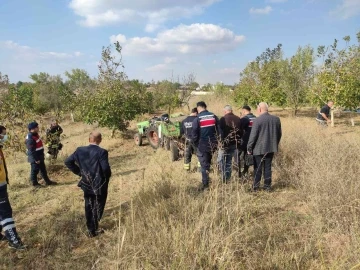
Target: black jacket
232,129
91,163
187,126
247,122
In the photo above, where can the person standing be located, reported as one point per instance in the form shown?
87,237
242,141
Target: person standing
36,156
6,220
205,134
324,114
91,163
186,130
232,130
264,141
247,120
53,138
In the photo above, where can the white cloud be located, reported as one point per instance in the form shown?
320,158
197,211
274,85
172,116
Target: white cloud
265,10
153,13
29,53
170,60
120,38
347,9
183,39
229,71
158,68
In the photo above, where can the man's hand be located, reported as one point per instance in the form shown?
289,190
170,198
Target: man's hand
329,121
249,153
37,162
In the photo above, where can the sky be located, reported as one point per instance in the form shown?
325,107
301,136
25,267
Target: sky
164,39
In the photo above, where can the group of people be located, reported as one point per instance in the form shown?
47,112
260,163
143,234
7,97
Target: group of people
91,163
255,139
250,138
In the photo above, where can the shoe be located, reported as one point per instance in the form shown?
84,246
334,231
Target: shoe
37,185
267,189
203,187
2,237
50,183
90,234
17,246
99,231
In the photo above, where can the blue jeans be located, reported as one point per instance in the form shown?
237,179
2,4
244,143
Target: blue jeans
225,161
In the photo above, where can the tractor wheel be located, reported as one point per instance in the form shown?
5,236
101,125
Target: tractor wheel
138,139
167,143
153,137
174,150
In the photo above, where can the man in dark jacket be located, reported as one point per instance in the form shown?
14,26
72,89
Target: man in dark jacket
91,163
263,143
324,114
247,120
205,134
53,138
186,130
6,220
36,157
232,131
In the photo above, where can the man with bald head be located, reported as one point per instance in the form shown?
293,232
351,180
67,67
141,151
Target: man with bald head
263,143
91,163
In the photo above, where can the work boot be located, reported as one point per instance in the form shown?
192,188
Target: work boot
50,183
203,187
17,246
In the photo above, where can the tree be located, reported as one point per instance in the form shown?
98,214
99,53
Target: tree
115,102
297,77
338,79
78,80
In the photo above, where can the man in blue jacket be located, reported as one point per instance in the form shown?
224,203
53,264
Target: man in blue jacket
91,163
205,134
186,130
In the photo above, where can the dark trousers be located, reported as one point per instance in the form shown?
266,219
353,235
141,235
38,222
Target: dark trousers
262,163
225,161
242,158
190,149
205,158
6,221
35,169
94,209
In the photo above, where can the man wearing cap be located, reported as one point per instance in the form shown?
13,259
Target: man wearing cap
36,155
6,221
232,130
186,130
248,119
205,134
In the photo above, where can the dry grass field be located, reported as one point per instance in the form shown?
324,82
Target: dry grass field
156,219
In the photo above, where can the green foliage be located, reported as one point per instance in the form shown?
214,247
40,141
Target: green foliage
115,101
338,79
297,77
78,80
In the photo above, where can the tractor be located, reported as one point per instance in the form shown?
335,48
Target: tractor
162,131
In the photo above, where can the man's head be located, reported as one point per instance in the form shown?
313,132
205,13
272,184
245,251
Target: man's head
262,108
245,110
201,106
33,127
228,109
54,123
330,103
194,112
95,137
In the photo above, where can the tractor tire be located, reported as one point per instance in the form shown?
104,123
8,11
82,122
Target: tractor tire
153,137
167,143
174,150
138,139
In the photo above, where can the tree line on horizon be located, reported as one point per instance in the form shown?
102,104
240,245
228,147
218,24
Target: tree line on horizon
309,77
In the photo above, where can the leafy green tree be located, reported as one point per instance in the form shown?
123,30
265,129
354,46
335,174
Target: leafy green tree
115,101
297,77
79,80
338,79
